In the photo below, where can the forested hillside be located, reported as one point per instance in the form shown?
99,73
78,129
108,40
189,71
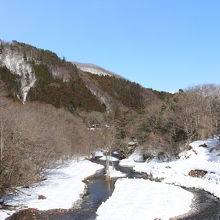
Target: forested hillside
68,111
47,78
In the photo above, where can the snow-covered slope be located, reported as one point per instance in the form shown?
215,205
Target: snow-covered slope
94,69
16,63
201,158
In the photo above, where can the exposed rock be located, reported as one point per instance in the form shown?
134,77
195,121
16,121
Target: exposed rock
203,145
1,200
42,197
197,173
16,63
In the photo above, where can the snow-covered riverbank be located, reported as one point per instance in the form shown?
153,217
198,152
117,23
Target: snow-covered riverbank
132,198
204,156
62,188
143,199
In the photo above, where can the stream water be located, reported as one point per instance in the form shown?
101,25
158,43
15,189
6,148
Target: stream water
205,205
98,191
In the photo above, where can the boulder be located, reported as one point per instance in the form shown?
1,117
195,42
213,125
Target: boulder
203,145
42,197
1,200
197,173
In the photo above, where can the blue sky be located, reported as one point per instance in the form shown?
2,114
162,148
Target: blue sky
161,44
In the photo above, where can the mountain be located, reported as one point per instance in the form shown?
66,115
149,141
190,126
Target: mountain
94,69
40,75
63,98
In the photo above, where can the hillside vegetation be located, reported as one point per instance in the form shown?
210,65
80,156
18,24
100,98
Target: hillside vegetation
33,138
129,93
166,126
68,112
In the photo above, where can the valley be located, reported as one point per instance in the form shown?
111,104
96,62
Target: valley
80,142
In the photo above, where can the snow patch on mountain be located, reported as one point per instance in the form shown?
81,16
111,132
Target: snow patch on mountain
16,63
94,69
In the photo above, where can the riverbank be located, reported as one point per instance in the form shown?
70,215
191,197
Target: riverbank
63,187
197,167
134,196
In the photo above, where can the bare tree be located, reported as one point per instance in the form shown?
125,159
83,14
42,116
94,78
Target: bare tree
108,141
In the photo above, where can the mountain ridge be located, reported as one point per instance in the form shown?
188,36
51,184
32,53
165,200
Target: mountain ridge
72,85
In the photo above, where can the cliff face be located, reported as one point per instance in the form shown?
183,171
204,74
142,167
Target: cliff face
18,65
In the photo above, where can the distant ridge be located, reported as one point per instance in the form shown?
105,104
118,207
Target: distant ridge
94,69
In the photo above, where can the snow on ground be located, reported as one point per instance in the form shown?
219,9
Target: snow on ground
5,214
176,172
98,154
143,199
137,156
129,162
113,173
109,158
62,188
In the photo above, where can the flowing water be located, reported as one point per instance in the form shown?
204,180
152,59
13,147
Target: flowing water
98,191
205,206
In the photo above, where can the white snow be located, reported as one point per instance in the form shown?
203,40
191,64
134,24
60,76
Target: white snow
132,143
109,158
129,162
98,154
143,199
137,156
113,173
16,64
5,214
176,172
94,70
62,189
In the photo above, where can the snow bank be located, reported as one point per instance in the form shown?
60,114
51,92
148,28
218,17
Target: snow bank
144,199
198,158
109,158
98,154
127,162
5,214
136,156
62,189
113,173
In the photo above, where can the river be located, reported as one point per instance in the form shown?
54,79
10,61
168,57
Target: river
204,207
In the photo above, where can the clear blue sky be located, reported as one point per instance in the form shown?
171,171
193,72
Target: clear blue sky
161,44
